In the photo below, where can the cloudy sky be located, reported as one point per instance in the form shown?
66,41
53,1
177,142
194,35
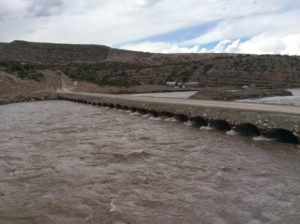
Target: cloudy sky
165,26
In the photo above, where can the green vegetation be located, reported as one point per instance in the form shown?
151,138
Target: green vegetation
119,83
22,70
109,73
130,74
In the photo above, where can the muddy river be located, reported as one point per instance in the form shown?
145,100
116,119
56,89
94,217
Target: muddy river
69,163
285,100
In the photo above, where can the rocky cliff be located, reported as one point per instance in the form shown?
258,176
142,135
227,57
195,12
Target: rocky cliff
105,65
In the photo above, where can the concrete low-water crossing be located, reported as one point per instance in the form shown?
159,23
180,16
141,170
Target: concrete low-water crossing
272,121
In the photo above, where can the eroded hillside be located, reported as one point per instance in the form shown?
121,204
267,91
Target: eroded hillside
107,66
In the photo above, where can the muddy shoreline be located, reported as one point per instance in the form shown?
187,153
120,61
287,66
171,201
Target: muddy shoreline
207,93
23,97
230,94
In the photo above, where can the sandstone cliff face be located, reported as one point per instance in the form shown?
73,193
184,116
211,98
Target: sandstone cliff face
104,65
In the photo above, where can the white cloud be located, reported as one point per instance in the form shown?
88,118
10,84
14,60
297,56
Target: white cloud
160,47
292,43
113,22
118,21
262,44
277,23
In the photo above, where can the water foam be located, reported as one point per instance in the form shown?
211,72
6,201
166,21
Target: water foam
188,123
154,118
135,113
206,128
262,138
231,132
171,119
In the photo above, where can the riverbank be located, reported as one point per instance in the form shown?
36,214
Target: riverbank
22,97
14,89
293,100
227,94
138,89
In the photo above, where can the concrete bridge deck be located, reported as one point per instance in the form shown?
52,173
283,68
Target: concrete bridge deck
266,118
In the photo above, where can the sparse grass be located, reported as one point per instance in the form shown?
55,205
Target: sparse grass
21,70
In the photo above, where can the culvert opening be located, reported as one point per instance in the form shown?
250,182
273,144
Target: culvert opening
181,117
198,121
165,114
142,111
221,125
133,109
153,113
247,129
283,135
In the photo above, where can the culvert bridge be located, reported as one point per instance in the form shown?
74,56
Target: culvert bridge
274,121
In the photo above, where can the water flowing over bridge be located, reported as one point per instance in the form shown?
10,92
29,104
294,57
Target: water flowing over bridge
273,121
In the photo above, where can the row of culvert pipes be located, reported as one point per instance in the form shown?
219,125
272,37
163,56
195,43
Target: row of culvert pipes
245,129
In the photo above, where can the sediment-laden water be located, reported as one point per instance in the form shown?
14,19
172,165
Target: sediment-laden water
285,100
63,162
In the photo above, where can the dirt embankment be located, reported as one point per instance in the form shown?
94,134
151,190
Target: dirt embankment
13,89
227,94
25,97
93,88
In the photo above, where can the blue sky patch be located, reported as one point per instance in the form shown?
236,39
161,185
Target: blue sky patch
177,36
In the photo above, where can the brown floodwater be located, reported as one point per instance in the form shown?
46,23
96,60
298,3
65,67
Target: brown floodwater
63,163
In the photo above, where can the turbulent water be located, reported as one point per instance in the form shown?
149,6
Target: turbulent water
62,162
